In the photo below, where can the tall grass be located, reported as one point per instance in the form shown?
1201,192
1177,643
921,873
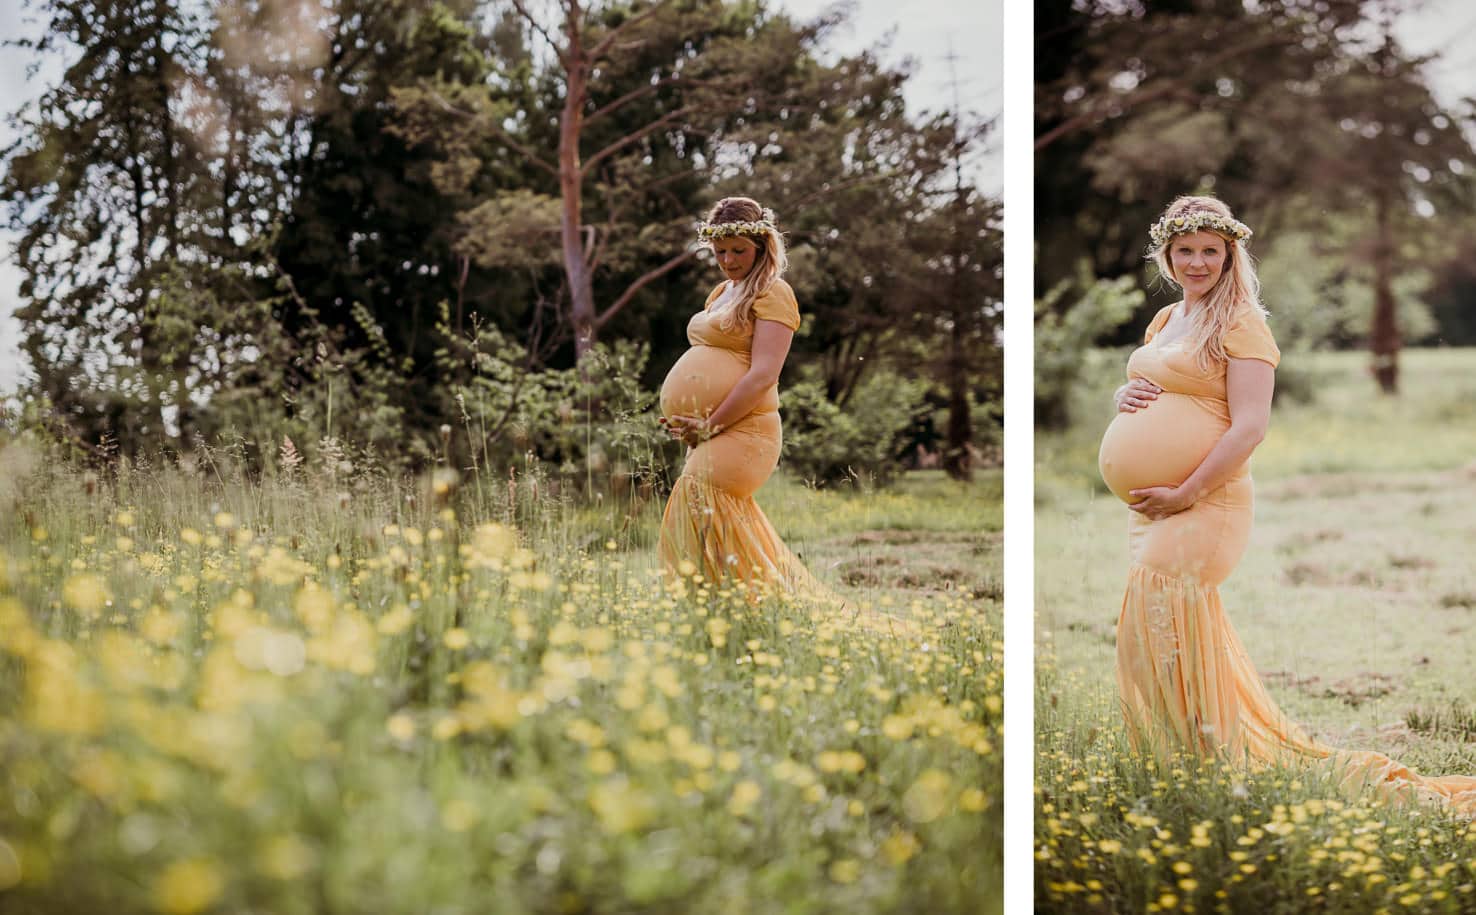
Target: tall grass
340,690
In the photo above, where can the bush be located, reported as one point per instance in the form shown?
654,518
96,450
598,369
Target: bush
868,437
593,428
1063,337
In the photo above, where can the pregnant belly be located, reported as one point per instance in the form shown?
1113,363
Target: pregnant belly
1157,446
699,381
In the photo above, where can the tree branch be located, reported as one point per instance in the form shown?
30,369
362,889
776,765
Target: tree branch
538,27
629,97
596,52
640,283
635,137
502,134
1169,86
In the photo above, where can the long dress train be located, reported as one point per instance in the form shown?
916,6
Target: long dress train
1184,679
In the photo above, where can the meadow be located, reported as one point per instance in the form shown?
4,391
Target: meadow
336,690
1357,603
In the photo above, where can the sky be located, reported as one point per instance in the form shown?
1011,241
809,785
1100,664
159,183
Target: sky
927,33
14,89
1446,28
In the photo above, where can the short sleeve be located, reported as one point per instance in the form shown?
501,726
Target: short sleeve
778,304
1156,325
1250,338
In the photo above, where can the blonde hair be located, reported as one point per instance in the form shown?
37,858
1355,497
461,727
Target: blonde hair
1237,287
736,312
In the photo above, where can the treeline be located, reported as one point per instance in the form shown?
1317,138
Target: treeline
369,220
1309,119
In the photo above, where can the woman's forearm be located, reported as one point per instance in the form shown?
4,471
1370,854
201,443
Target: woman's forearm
1230,452
741,400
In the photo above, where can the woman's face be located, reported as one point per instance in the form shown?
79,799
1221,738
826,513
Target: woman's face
735,255
1197,259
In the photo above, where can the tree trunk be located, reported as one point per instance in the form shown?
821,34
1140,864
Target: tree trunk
1383,340
956,456
571,122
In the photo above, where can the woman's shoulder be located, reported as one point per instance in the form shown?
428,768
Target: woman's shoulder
1159,320
1249,312
1248,336
1248,319
716,291
777,303
780,291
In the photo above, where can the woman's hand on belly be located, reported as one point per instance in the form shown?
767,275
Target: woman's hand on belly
691,430
1136,395
1158,502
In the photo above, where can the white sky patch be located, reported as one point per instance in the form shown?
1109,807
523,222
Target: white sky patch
16,90
1446,30
948,42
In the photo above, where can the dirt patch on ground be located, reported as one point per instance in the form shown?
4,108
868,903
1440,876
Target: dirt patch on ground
1317,575
1458,600
903,537
1303,540
1396,574
921,561
1105,633
1352,485
1351,691
1355,690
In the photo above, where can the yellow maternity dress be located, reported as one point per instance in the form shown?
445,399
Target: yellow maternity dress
712,520
1184,679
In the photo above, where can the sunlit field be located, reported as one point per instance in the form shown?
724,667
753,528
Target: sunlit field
335,692
1357,603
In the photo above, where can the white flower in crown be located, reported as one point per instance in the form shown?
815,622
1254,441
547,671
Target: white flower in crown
1169,226
765,224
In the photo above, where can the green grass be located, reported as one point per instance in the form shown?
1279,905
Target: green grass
1357,602
369,694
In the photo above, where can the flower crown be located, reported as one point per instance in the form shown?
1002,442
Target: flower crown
1169,226
709,231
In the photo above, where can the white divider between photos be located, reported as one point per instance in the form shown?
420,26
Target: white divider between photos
1019,458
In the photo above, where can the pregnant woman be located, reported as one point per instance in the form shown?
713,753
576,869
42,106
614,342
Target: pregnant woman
722,399
1196,404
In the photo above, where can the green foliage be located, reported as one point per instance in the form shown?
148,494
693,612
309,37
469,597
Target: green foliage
1452,296
1063,340
866,439
1318,300
306,226
1139,103
586,424
226,695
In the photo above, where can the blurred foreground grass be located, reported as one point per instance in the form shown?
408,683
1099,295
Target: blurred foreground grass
1357,603
316,694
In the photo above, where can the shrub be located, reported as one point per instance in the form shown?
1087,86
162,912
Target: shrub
1064,336
592,426
869,436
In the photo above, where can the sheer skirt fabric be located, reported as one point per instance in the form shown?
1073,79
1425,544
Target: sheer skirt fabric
712,520
1185,681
